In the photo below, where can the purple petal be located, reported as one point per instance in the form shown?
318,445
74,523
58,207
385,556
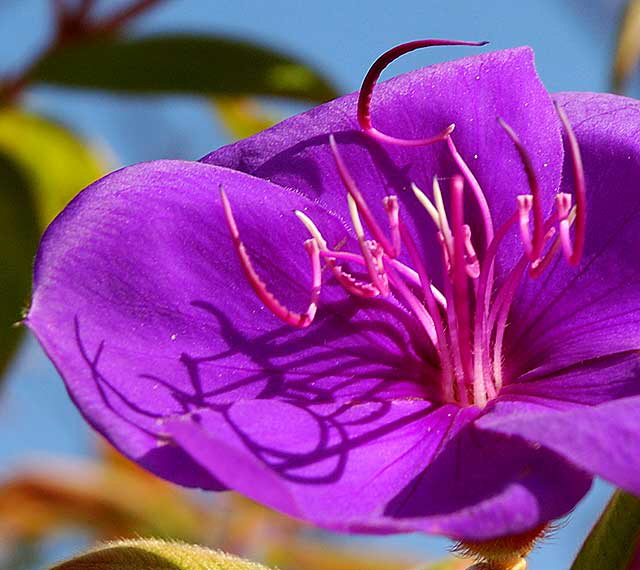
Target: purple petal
471,92
604,439
393,466
140,301
575,332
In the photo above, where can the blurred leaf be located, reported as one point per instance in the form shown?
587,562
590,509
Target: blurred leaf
242,117
143,554
313,556
298,554
110,502
57,162
628,46
205,65
18,241
612,541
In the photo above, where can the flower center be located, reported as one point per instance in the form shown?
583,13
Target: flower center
465,319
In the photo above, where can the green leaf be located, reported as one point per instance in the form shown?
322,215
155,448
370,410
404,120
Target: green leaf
147,554
18,241
58,164
628,45
205,65
612,541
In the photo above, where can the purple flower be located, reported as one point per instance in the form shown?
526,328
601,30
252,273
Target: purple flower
452,349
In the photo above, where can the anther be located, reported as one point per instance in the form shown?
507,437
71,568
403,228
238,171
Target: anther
392,208
366,91
347,281
533,247
573,253
426,204
299,320
525,204
369,250
473,265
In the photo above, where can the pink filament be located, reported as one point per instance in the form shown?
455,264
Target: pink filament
573,253
351,187
533,247
459,278
299,320
432,307
366,91
485,212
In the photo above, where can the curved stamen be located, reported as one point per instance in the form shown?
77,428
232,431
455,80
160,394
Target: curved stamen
482,362
347,281
432,307
417,308
445,229
485,212
573,253
460,288
392,208
299,320
533,247
376,272
473,265
356,195
366,91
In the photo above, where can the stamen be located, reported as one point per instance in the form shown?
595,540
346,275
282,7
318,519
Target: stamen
299,320
421,314
482,358
427,205
533,248
485,212
573,253
350,284
460,290
366,91
471,259
445,229
392,208
432,307
376,272
356,195
525,204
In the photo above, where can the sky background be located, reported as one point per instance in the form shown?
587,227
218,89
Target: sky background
573,41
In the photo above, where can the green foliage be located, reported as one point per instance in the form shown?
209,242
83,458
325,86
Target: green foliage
56,161
43,166
182,64
18,241
146,554
612,541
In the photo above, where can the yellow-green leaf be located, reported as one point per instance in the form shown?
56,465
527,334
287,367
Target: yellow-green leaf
56,161
151,554
18,240
613,540
242,116
628,46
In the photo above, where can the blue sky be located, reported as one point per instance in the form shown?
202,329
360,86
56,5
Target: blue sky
573,41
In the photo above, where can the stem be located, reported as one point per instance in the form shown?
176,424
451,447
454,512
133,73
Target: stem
122,17
71,27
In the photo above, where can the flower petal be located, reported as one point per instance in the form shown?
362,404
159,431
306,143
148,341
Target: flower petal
140,301
471,92
577,330
393,466
604,439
